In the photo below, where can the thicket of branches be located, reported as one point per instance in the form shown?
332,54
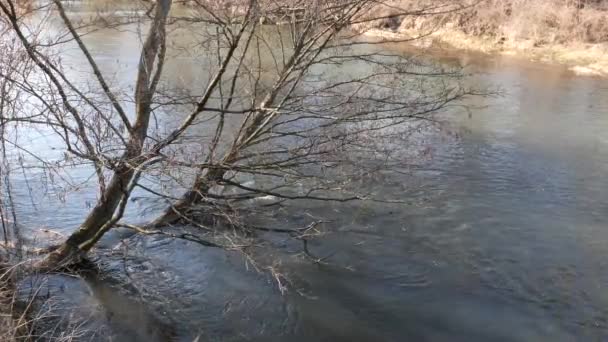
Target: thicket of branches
295,106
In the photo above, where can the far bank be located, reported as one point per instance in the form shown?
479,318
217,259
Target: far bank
569,32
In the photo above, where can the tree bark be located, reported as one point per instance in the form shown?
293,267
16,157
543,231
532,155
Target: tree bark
197,193
118,189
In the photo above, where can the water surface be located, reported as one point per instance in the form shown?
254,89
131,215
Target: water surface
505,238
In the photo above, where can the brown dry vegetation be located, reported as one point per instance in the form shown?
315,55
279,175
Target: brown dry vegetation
11,322
540,21
6,317
31,315
569,32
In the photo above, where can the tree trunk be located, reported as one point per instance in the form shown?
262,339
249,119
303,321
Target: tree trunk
103,212
197,193
99,219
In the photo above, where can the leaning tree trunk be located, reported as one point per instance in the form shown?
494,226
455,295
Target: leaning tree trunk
195,195
104,213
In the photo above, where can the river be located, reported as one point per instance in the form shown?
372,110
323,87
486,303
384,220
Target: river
505,238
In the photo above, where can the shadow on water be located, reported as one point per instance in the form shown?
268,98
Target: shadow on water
127,318
88,308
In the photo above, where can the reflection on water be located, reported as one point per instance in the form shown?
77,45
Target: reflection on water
506,240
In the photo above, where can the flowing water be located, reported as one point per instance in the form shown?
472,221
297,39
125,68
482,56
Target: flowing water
506,239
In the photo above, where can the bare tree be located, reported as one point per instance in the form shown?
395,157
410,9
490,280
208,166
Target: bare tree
297,106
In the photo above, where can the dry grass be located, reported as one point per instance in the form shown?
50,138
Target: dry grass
12,325
570,32
540,21
26,317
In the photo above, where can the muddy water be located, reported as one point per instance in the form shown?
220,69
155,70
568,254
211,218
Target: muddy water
505,240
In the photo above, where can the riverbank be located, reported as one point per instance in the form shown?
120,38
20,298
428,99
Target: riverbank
6,316
582,59
13,325
573,33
